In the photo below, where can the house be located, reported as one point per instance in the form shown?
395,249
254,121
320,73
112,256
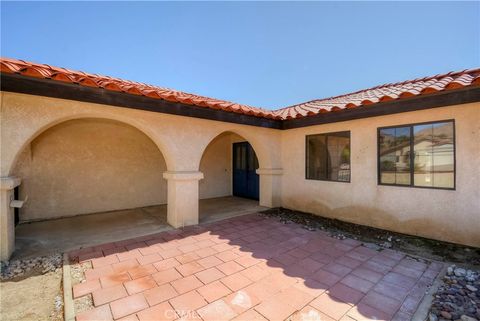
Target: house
403,157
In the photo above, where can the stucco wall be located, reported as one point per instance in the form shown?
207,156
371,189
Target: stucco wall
89,165
439,214
216,166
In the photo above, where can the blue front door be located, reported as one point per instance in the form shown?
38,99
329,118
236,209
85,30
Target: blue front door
245,179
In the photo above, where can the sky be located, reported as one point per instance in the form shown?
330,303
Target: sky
263,54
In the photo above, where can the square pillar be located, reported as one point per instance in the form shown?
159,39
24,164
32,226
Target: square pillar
270,186
182,206
7,218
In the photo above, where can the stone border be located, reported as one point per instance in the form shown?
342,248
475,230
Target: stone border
68,306
424,307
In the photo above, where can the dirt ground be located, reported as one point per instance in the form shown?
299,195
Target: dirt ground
34,297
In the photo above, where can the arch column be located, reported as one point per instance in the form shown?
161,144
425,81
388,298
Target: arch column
270,190
182,206
7,219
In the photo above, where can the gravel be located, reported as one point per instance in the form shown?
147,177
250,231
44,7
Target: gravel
458,297
40,265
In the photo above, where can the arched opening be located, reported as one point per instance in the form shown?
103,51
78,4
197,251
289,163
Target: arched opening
105,168
230,186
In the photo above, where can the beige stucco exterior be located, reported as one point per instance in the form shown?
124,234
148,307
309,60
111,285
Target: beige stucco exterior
450,215
148,158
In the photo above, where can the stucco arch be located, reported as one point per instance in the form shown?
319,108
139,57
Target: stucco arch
260,147
35,131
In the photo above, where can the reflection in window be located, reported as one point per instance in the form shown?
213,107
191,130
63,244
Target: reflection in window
423,153
328,157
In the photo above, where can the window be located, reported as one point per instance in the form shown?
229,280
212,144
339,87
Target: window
328,157
419,155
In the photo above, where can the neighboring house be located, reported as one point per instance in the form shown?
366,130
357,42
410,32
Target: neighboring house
403,157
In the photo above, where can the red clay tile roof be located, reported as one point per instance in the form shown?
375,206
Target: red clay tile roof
387,92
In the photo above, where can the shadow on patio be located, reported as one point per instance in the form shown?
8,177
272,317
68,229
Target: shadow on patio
66,234
250,268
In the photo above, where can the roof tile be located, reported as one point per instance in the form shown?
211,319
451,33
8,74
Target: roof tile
383,93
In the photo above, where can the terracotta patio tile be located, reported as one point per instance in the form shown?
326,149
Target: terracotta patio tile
160,312
247,261
188,257
413,264
298,253
391,290
336,268
221,247
413,273
187,303
348,262
275,309
254,273
364,312
332,307
294,297
309,313
103,261
230,267
114,250
136,245
131,317
216,311
204,252
250,315
325,277
400,280
140,285
410,304
321,257
103,296
357,283
148,259
151,249
168,253
189,268
93,274
186,284
345,293
128,255
128,305
209,262
84,288
368,274
377,267
209,275
226,256
100,313
213,291
114,279
89,256
188,248
236,281
125,265
380,259
166,264
160,294
141,271
381,302
166,276
242,300
311,286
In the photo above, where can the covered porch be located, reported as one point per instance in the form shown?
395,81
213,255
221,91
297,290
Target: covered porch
66,234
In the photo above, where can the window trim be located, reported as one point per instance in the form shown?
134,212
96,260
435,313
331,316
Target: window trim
412,155
349,157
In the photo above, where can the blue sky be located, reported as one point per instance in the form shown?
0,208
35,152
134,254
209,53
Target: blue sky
265,54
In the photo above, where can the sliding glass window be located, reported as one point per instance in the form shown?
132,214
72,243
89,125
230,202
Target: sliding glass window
420,155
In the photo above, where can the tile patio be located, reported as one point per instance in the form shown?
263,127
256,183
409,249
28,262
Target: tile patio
250,268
